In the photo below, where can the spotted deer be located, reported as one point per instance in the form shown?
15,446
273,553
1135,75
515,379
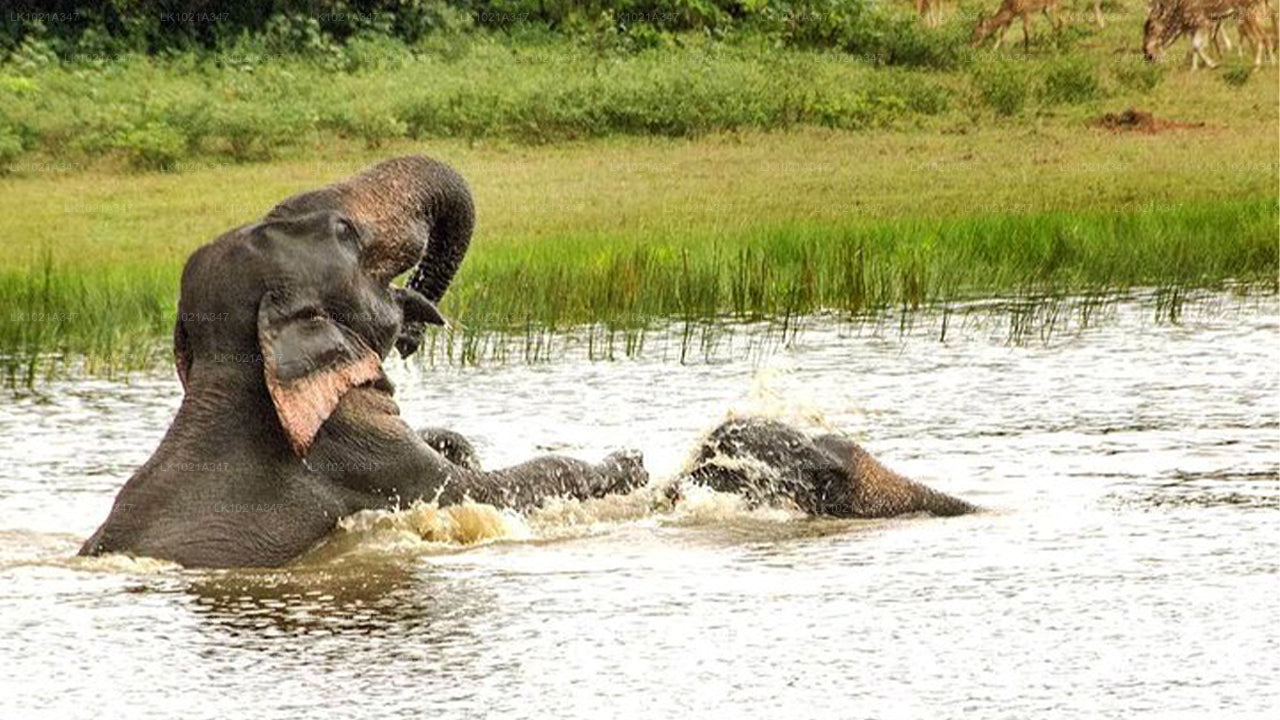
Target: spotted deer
930,11
1258,27
1168,20
1004,16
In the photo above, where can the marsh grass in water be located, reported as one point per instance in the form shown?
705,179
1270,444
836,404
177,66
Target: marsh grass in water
793,270
516,301
798,267
99,321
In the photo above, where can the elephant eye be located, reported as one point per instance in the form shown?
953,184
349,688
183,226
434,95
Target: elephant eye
347,232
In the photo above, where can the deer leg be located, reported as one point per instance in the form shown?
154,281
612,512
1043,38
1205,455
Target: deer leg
1263,45
1097,14
1197,50
1215,37
1204,56
1248,35
1026,33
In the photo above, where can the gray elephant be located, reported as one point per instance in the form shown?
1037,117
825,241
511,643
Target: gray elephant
287,422
770,462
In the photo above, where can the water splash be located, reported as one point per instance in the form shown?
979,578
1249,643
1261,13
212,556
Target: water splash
124,564
421,528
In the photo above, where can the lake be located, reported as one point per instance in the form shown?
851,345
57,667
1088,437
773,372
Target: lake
1125,564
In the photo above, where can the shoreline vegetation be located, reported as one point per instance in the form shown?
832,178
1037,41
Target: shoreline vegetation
110,321
687,167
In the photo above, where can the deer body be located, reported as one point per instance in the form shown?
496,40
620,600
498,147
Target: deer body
930,11
1009,9
1168,20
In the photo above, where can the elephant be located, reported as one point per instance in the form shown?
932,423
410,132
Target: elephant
287,421
770,462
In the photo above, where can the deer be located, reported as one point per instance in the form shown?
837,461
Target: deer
1168,20
1258,26
930,11
1003,17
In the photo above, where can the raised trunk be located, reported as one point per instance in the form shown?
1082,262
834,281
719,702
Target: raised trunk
420,211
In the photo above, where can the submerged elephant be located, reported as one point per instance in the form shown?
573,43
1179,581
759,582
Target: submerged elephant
287,422
770,462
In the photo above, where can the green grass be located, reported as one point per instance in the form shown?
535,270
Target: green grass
120,319
801,267
622,234
855,268
694,181
106,322
163,113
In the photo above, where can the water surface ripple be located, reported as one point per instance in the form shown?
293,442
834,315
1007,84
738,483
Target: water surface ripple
1126,567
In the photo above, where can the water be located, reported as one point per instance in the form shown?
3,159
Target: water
1126,565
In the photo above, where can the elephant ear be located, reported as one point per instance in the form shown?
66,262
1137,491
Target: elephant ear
310,361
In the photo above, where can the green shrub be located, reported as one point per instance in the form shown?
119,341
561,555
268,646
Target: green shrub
1070,80
373,125
298,33
1139,75
318,27
1002,85
154,146
866,31
1237,76
255,130
191,115
371,52
918,94
33,53
10,147
245,104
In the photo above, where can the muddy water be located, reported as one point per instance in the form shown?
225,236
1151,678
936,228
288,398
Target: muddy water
1126,566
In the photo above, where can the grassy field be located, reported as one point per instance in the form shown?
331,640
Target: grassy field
722,220
248,104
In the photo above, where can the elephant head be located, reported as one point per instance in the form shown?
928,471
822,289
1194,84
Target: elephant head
306,295
768,461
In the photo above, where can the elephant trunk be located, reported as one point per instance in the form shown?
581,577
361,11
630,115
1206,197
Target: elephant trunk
419,210
943,505
451,217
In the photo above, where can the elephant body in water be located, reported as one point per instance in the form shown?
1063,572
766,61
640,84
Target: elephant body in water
287,422
768,461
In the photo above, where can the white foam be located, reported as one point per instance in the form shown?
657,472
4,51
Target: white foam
127,564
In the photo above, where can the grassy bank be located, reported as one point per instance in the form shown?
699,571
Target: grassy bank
119,318
563,242
621,184
800,267
249,104
623,231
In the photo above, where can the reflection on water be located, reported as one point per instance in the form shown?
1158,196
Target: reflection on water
1125,565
